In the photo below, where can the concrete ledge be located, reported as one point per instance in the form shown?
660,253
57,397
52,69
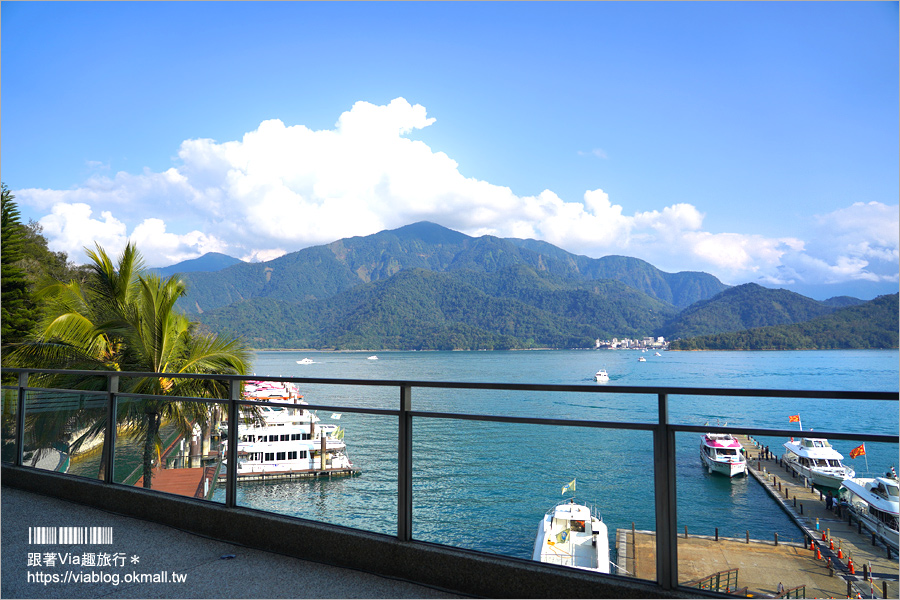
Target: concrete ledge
459,571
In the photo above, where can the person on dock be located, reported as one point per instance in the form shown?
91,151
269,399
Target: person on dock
829,501
780,590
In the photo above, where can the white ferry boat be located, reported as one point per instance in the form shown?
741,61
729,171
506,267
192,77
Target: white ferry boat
876,502
286,442
721,453
573,535
815,459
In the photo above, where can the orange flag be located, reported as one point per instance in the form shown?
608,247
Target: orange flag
794,419
859,451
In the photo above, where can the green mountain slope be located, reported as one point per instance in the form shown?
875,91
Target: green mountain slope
420,309
744,307
873,324
323,271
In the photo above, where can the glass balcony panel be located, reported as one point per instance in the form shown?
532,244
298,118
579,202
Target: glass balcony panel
357,486
473,490
8,425
64,431
184,456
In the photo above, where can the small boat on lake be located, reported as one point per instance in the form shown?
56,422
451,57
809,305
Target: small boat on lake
658,354
305,361
373,357
721,453
573,535
642,359
601,375
815,459
876,502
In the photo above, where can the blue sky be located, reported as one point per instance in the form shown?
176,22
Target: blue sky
754,141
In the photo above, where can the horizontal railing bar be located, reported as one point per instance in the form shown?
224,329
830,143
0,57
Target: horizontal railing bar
536,420
392,412
591,389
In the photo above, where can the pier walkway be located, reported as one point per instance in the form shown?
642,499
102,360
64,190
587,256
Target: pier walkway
763,564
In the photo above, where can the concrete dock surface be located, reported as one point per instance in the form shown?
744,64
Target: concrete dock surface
157,557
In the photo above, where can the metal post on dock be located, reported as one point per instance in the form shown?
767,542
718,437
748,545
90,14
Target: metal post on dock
776,538
717,534
748,536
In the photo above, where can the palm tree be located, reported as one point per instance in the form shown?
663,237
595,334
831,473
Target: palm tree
122,319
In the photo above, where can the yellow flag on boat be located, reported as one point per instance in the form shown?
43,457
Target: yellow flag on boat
858,451
569,487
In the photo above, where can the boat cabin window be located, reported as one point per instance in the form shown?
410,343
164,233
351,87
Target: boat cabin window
576,525
269,456
248,438
292,455
285,437
280,455
727,451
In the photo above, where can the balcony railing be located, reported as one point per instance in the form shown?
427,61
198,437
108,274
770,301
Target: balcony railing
662,430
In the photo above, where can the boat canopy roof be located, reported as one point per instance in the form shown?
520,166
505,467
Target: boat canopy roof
721,440
572,512
813,448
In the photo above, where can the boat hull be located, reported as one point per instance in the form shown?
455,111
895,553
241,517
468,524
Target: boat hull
729,469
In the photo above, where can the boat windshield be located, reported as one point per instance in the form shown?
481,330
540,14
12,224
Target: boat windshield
728,451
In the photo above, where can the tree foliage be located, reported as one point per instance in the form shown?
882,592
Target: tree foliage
122,319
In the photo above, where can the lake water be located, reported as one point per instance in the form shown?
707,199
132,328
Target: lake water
484,486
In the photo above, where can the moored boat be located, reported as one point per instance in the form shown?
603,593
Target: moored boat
876,502
721,453
817,460
573,535
287,442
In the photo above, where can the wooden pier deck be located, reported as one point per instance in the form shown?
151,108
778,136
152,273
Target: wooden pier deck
762,564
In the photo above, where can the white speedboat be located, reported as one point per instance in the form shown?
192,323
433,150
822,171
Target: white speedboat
815,459
573,535
601,375
658,354
642,359
876,503
721,453
373,357
305,361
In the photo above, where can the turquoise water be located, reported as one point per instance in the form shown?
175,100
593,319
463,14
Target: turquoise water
484,486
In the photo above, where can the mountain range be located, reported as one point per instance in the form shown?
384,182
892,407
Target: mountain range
424,286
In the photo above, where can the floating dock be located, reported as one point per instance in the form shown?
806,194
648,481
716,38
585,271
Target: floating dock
288,475
760,565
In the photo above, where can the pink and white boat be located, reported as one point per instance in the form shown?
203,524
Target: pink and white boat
721,453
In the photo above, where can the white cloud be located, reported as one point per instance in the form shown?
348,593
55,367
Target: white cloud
281,188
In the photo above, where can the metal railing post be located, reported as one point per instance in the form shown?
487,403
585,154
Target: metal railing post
404,466
20,418
664,483
109,438
234,394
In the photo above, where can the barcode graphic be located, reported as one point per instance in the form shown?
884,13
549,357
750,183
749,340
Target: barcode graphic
70,535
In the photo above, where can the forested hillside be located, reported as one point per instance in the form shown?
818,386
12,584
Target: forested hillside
744,307
420,309
872,324
324,271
